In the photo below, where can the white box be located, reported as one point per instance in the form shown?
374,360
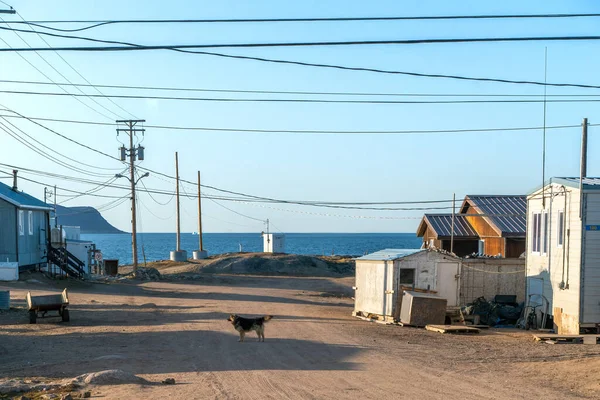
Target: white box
9,271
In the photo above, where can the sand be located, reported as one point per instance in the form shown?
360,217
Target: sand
314,349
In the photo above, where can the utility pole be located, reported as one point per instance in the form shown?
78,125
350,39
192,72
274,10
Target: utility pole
452,228
200,214
200,254
55,217
177,194
47,194
132,152
11,11
583,165
178,254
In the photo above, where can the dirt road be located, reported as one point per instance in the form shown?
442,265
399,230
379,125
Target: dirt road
314,349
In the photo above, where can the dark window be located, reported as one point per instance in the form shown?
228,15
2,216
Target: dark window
407,276
546,231
537,219
561,227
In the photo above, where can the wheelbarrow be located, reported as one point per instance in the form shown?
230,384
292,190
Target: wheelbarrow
40,305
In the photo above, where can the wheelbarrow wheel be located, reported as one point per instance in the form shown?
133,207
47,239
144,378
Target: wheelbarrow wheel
32,317
65,315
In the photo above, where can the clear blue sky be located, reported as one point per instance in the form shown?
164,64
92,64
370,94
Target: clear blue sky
314,167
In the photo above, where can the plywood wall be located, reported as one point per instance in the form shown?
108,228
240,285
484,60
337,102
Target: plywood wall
490,277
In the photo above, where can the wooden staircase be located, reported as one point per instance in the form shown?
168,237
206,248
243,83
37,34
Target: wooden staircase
66,261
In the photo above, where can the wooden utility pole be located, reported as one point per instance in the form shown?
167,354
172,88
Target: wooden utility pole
132,157
583,164
133,209
200,214
177,195
452,228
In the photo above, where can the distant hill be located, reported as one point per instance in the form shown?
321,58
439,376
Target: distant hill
88,218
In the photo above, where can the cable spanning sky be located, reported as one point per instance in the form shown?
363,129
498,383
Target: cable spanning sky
333,125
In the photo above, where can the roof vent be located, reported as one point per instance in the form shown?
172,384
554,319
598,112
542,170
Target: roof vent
15,180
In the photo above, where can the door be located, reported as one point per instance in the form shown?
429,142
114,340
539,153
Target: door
447,285
388,288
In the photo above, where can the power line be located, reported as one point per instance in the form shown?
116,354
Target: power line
32,120
296,44
216,129
185,49
51,66
248,196
75,70
42,153
292,92
98,23
316,101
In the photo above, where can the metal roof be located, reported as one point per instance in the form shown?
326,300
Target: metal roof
389,254
506,212
442,225
588,183
21,199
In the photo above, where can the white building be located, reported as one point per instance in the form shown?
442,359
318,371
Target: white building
563,252
380,277
273,243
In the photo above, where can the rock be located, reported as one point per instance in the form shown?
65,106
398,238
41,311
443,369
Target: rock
109,377
24,398
148,305
67,397
87,395
147,274
169,381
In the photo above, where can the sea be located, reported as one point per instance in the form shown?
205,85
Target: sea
156,246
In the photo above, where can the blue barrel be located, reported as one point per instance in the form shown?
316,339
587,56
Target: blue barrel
4,300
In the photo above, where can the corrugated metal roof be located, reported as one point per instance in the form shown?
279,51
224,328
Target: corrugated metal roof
21,199
508,213
442,225
588,183
389,254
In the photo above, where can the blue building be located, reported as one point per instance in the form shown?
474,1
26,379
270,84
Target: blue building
24,228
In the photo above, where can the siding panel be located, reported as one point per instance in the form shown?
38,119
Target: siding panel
591,301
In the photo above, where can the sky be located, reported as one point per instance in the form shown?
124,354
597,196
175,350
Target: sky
320,167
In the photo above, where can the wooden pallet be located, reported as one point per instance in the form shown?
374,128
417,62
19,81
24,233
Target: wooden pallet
479,326
460,329
373,318
552,338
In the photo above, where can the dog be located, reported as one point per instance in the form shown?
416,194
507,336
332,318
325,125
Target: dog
243,325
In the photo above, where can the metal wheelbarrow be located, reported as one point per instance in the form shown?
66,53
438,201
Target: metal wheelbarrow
40,305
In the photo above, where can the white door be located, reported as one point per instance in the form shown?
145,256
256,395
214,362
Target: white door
447,284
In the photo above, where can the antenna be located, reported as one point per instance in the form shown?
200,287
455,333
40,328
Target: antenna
544,132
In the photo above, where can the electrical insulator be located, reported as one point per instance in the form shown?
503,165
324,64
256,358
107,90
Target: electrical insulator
140,153
123,153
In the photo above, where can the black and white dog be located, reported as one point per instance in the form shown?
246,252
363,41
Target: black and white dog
243,325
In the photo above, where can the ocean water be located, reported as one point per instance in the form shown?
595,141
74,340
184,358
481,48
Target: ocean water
156,246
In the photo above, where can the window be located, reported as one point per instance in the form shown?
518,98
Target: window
561,228
21,223
537,222
407,277
30,220
545,237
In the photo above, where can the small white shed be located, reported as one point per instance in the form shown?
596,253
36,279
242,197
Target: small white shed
273,243
380,277
563,251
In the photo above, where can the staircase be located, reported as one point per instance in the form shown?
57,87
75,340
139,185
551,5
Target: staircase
66,261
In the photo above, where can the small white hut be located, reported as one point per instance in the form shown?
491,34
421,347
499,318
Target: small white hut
380,277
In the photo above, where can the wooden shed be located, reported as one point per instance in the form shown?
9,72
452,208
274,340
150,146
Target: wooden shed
491,225
24,222
380,277
563,251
